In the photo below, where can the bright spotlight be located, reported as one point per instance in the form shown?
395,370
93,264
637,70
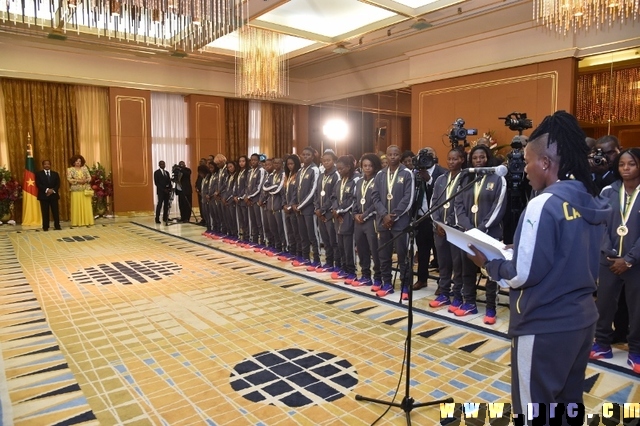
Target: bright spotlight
336,130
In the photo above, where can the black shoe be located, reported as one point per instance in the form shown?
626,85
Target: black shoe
157,221
57,228
45,229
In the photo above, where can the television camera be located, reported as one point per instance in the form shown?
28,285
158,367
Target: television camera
459,133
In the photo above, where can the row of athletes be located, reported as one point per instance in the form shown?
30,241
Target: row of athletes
280,208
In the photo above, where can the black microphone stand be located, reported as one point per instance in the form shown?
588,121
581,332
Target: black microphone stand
408,403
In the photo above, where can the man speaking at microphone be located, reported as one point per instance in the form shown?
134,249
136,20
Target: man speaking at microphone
553,271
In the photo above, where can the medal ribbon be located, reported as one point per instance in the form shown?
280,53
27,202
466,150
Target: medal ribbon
626,209
325,179
449,190
365,186
342,185
390,183
476,196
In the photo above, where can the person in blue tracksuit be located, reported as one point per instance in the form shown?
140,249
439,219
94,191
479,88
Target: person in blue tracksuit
393,191
322,205
294,240
482,207
364,215
228,203
241,187
553,271
449,256
255,180
274,207
306,185
619,270
342,202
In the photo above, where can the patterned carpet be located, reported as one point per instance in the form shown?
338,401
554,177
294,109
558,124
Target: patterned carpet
122,324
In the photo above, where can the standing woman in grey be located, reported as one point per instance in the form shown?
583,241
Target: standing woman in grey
306,187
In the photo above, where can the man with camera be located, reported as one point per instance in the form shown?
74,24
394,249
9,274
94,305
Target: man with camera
427,171
182,178
601,161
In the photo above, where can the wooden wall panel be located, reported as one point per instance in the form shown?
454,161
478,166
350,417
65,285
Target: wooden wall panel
538,90
206,120
130,118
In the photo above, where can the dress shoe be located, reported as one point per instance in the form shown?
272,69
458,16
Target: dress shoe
157,220
45,229
419,284
57,228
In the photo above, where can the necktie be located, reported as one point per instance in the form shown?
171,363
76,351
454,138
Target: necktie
48,176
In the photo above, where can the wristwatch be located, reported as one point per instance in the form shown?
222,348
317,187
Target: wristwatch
629,265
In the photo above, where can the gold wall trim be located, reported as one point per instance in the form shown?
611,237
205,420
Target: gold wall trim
216,107
145,157
552,75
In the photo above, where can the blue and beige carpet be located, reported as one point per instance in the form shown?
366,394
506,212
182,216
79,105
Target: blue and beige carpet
124,324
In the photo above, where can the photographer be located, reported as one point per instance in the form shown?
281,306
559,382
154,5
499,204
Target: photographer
427,171
601,161
181,176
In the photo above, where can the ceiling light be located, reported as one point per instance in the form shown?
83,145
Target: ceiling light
560,15
341,49
421,24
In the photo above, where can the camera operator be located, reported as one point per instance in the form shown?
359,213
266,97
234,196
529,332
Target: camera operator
426,170
601,161
182,178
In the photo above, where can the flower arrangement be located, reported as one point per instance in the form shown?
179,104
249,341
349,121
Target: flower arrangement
10,191
102,185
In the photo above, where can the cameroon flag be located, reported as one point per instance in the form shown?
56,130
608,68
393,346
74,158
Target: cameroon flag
31,215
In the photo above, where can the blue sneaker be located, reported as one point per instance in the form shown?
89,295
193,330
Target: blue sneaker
439,301
599,351
490,316
466,309
362,281
455,305
377,285
634,362
386,288
350,278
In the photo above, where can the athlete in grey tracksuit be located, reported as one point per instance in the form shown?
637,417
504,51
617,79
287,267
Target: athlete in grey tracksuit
322,205
256,178
342,202
241,206
290,216
273,208
365,235
306,187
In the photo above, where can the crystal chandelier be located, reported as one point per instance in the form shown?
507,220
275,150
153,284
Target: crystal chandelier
184,24
262,66
561,15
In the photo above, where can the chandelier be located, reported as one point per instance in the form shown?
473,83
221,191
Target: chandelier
262,66
561,15
184,24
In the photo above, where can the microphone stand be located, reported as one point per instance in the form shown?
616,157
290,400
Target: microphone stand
408,403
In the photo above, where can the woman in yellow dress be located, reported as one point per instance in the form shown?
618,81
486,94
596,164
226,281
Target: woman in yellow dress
79,178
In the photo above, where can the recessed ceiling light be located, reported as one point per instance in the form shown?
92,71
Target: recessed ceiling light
340,49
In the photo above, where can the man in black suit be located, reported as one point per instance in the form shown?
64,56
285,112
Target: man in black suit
183,191
162,180
48,184
428,170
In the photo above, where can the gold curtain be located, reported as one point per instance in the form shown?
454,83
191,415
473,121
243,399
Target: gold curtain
94,137
282,128
4,151
48,112
609,95
236,127
266,129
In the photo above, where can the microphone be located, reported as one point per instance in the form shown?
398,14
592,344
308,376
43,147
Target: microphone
500,170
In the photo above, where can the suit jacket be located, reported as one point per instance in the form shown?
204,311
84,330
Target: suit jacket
162,181
43,183
185,181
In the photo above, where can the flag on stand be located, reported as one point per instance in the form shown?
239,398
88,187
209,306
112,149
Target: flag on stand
31,215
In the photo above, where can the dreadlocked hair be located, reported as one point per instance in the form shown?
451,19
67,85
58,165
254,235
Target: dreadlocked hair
563,129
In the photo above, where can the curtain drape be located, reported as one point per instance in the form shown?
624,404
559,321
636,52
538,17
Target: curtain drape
169,131
46,111
236,128
94,132
4,149
266,129
282,119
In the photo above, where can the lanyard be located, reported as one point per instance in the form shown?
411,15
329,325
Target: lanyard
625,212
342,186
390,181
476,197
302,172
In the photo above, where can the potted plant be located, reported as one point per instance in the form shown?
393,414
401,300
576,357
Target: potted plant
10,192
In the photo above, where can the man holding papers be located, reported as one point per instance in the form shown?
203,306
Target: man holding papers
553,271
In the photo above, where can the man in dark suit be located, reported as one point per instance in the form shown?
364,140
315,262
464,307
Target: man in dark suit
48,184
428,170
183,191
162,180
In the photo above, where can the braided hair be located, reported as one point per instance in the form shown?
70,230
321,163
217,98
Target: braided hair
563,130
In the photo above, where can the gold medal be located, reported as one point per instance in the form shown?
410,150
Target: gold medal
363,201
474,209
389,196
446,205
322,193
622,230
